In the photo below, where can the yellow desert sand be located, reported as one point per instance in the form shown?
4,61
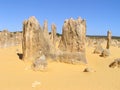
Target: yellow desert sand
17,75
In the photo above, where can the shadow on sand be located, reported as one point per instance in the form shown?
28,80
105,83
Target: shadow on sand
20,55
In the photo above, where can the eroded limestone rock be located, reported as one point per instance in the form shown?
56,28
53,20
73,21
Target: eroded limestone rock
98,49
8,39
33,40
115,63
72,42
40,63
105,53
45,29
71,47
53,34
109,35
73,35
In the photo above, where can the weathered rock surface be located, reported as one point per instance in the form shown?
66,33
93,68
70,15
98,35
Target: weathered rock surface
45,29
53,34
51,44
72,57
8,39
109,35
40,63
115,63
72,42
98,49
73,35
105,53
33,40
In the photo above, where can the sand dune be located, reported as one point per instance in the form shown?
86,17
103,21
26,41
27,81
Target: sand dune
17,75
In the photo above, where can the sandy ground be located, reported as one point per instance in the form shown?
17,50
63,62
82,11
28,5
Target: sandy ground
16,75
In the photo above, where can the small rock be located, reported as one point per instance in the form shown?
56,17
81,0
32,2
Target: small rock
115,63
35,83
105,53
27,68
98,49
40,63
88,70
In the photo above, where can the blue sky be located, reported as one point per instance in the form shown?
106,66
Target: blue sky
101,15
